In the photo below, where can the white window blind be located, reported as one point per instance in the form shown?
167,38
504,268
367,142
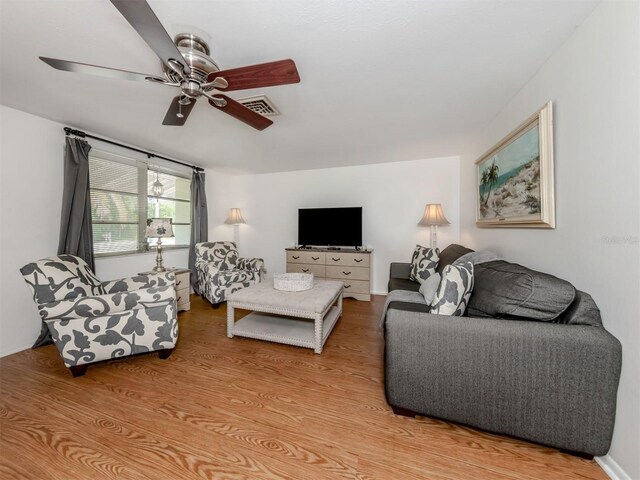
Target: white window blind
122,200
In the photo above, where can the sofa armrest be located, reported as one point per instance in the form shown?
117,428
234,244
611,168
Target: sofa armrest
99,305
400,270
548,383
149,280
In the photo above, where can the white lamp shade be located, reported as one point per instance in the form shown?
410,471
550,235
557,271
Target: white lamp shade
234,217
159,228
433,215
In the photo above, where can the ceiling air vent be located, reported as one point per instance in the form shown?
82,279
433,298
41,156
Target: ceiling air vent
260,104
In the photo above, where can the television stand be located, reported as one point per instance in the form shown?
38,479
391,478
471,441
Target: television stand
349,265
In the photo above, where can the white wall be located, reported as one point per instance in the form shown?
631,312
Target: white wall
594,82
31,151
393,196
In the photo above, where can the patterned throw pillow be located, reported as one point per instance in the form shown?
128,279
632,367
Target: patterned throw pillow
454,291
423,263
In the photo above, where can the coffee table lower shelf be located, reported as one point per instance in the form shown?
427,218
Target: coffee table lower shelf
288,330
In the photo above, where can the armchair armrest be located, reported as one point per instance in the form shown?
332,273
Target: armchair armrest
150,280
252,264
207,268
400,270
110,303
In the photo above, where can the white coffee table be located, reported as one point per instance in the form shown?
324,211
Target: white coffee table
304,319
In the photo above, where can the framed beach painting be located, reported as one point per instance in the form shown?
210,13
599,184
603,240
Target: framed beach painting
515,177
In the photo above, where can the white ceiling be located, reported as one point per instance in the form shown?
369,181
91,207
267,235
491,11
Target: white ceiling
381,81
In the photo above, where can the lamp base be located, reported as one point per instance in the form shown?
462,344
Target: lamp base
434,237
159,266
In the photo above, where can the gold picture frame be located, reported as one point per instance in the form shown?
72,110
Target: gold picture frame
515,177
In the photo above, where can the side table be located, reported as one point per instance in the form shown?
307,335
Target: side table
183,286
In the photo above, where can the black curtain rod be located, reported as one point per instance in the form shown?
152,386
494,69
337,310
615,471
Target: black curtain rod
80,133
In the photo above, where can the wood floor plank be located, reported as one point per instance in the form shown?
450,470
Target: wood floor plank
238,408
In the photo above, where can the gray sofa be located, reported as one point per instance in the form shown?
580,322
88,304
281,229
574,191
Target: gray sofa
552,382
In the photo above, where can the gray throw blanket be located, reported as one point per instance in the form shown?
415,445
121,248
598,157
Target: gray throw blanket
400,296
483,256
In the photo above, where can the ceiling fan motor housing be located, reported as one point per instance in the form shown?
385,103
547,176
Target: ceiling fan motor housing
195,52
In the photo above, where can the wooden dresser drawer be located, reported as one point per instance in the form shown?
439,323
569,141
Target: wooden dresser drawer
306,257
182,280
350,273
182,296
352,259
318,271
356,286
183,289
350,266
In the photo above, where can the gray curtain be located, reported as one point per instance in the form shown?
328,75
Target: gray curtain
199,222
76,234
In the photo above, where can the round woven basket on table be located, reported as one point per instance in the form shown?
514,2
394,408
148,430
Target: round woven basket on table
293,282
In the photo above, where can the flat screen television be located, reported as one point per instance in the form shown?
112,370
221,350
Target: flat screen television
338,227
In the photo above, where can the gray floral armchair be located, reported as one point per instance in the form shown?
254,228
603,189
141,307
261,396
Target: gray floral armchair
90,320
221,271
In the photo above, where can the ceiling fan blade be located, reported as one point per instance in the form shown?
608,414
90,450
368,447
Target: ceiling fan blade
242,113
175,109
144,21
78,67
269,74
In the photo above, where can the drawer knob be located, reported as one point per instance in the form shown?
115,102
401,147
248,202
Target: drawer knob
347,286
347,273
305,270
295,257
335,259
357,260
179,298
178,284
315,258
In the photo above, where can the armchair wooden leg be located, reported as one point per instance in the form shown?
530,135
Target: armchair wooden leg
403,412
164,354
79,370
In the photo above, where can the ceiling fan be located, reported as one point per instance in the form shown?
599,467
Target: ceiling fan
187,65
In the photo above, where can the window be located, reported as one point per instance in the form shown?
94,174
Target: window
122,200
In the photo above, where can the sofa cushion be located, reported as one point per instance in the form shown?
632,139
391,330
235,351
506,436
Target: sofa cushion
450,255
403,284
583,311
423,263
454,291
509,290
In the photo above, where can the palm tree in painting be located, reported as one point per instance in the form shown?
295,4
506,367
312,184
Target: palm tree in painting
483,182
489,178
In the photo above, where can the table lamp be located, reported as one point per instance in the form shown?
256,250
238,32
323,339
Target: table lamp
159,228
235,218
433,217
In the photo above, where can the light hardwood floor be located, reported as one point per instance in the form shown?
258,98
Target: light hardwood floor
223,408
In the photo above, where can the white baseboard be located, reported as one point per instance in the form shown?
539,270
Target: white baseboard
611,468
14,349
378,293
